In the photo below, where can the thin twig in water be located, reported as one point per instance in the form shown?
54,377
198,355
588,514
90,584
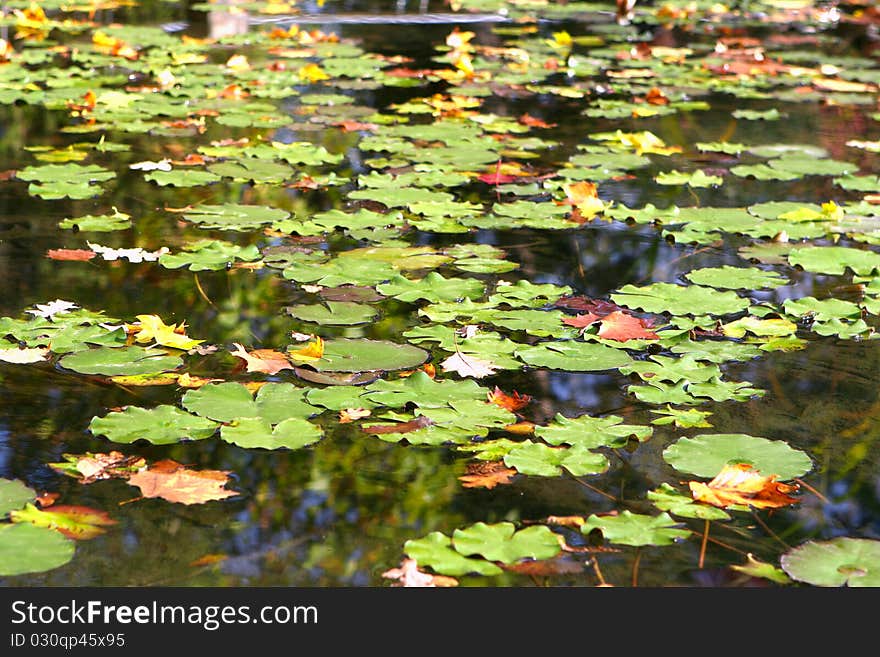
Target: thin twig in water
594,489
703,545
815,492
635,573
768,530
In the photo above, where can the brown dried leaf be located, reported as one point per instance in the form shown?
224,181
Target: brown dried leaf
347,415
70,254
262,360
486,474
420,422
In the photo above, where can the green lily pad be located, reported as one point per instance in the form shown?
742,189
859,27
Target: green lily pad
835,259
162,425
354,355
422,390
55,181
502,542
636,529
573,356
182,177
433,287
679,299
736,278
684,418
692,178
98,223
128,361
435,551
25,548
234,216
591,432
541,460
14,495
258,432
333,313
706,455
225,402
840,561
209,255
666,498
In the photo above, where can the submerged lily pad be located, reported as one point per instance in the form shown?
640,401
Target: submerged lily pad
841,561
706,455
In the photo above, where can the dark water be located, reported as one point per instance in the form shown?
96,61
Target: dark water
338,514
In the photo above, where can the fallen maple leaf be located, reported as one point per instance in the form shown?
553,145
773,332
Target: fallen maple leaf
420,422
238,63
622,326
312,351
151,327
581,321
409,575
741,484
174,482
533,122
512,403
468,366
262,360
77,522
70,254
483,474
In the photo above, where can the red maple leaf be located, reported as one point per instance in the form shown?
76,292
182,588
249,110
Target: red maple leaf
622,326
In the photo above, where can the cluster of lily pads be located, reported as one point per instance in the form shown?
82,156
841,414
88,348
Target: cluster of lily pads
441,163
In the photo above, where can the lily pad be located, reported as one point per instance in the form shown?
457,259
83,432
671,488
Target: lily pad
252,432
591,432
573,356
841,561
14,495
835,259
333,313
25,548
541,460
225,402
354,355
502,542
636,529
435,551
736,278
128,361
706,454
162,425
233,216
679,299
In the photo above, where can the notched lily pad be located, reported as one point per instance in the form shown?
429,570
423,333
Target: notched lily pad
706,455
841,561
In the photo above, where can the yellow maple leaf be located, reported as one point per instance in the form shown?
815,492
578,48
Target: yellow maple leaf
153,328
312,73
31,23
459,40
238,63
645,142
739,484
312,351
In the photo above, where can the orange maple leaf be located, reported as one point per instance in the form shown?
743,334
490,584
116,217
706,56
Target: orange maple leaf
174,482
622,326
486,475
262,360
741,484
512,402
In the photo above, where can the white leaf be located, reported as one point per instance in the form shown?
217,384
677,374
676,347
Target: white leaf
468,366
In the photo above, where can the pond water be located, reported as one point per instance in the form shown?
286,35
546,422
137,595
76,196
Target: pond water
540,98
